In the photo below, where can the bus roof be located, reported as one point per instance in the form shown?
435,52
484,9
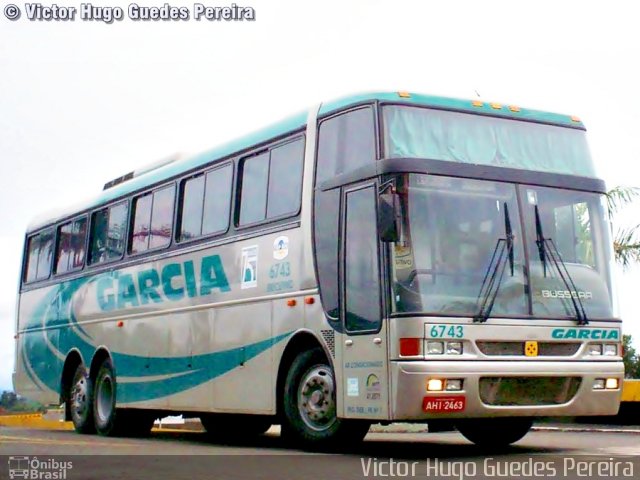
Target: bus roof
296,122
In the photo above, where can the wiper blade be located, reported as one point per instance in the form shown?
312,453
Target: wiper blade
546,247
495,271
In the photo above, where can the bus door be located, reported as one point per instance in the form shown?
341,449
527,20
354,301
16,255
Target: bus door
364,343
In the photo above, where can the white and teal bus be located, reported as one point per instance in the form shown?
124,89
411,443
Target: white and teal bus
386,257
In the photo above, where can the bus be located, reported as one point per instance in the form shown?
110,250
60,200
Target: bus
385,257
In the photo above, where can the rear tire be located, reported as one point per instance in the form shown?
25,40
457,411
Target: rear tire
309,405
109,420
79,403
494,432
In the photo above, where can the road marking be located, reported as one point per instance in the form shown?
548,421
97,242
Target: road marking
53,441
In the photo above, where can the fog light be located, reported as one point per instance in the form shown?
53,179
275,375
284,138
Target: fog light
611,349
595,349
454,348
611,384
454,385
435,348
434,385
598,384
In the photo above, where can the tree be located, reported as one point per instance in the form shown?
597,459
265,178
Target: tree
8,400
631,358
626,241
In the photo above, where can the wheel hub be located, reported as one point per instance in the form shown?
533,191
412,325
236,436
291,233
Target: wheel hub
104,397
79,397
316,399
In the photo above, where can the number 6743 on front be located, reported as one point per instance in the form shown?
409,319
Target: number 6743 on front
445,331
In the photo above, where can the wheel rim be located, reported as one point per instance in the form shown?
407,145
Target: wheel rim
316,399
80,397
104,399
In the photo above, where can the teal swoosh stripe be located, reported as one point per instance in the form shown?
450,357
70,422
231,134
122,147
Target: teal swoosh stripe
55,309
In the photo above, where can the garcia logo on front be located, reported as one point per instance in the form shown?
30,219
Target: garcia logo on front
36,469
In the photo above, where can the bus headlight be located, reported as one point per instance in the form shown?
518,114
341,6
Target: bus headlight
435,348
453,385
435,385
610,349
595,349
454,348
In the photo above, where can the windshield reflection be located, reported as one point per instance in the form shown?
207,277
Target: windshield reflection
462,250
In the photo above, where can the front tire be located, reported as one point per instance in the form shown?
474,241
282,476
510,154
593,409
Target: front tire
309,405
494,432
79,401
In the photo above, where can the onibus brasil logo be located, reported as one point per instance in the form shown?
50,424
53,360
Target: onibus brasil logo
36,469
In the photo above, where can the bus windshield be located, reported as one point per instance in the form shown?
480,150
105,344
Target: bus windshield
462,250
467,138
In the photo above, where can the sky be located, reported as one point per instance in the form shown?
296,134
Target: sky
83,102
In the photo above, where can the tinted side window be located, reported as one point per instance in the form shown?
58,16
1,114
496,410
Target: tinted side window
327,220
217,200
191,212
153,220
362,277
70,249
285,179
253,202
206,201
346,142
33,250
162,217
45,255
272,183
108,228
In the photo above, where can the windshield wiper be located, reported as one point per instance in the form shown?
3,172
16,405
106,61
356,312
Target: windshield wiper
495,271
546,247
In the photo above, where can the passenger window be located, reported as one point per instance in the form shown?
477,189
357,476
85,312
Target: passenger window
206,201
346,142
108,227
272,183
153,220
70,249
361,271
255,175
39,253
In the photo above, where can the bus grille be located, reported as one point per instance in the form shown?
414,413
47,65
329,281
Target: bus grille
545,349
330,339
528,390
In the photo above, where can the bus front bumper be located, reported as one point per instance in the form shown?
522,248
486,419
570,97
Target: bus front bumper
515,388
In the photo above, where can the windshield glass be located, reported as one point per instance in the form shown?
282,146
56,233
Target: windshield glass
453,242
461,250
573,224
469,138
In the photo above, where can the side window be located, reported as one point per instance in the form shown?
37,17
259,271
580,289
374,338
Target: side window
108,228
70,249
272,183
39,256
361,270
152,220
206,201
346,142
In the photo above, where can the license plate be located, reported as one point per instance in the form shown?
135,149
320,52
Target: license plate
456,403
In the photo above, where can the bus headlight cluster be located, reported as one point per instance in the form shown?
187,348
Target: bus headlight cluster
439,384
606,384
440,348
606,349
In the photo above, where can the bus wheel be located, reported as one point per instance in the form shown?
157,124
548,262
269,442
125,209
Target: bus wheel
494,432
309,404
235,426
79,402
104,400
112,421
